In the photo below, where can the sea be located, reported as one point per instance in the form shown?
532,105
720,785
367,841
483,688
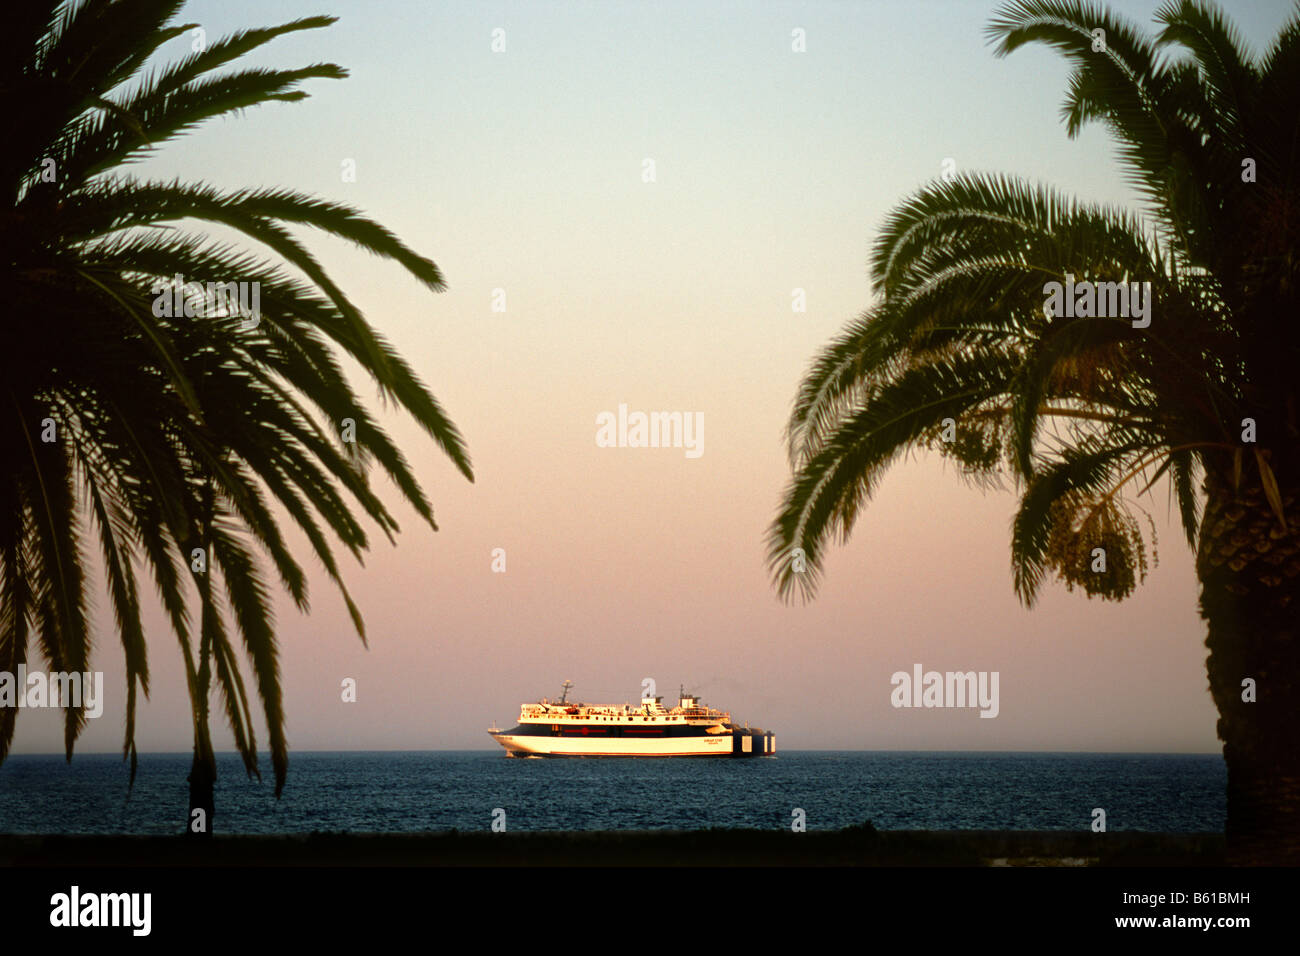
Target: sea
407,792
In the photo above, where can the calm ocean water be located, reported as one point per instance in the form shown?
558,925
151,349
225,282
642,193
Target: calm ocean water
404,792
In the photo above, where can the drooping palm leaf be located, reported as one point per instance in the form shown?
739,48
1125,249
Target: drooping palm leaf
172,435
1083,413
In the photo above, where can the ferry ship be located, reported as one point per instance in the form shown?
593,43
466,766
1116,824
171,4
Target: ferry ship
565,729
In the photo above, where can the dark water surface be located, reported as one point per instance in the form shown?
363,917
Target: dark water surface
443,790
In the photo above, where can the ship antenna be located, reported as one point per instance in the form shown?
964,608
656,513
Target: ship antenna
565,695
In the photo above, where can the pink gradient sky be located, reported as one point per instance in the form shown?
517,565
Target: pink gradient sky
522,171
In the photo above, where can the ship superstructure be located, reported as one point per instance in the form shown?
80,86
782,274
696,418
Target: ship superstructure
566,729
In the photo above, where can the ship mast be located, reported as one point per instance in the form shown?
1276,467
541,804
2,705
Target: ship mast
565,695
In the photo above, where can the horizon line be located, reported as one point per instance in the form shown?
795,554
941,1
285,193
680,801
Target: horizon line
407,750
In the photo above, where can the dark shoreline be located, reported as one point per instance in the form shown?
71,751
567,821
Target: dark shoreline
852,846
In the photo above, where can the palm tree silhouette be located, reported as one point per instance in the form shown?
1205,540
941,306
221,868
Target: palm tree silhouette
168,441
960,355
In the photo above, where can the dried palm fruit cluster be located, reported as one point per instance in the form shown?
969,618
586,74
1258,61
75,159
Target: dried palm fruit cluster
1097,545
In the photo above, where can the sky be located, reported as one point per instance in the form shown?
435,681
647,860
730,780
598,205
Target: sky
522,173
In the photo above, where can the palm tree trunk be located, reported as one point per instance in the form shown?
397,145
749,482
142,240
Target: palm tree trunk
203,780
1249,569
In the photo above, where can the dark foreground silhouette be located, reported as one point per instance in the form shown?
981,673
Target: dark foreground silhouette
852,846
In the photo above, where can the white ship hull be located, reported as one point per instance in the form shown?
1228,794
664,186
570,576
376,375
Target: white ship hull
568,729
521,746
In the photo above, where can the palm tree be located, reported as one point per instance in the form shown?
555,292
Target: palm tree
175,443
1086,412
